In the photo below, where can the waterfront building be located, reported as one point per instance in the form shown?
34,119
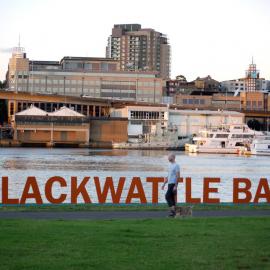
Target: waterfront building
12,102
106,131
189,122
255,105
82,77
65,126
246,101
143,120
139,48
255,101
209,102
158,120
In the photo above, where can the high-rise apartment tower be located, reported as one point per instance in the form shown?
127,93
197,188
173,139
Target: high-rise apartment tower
140,49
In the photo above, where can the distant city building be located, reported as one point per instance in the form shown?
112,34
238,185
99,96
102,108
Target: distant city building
179,85
200,86
247,101
207,84
251,83
82,76
240,84
252,75
233,85
139,48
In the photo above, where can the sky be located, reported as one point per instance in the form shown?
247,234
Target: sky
207,37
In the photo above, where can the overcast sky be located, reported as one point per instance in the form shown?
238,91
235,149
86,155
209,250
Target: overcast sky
207,37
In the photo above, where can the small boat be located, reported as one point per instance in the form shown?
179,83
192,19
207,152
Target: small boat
151,145
166,142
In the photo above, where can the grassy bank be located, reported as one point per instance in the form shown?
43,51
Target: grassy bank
216,243
135,207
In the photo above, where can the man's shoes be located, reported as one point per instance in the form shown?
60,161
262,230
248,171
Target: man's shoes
171,214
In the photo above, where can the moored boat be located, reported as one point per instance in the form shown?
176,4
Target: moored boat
226,139
260,145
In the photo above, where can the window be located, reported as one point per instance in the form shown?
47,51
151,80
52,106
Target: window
237,136
239,144
222,135
79,65
104,67
88,66
247,136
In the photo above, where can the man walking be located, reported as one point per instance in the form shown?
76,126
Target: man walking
172,180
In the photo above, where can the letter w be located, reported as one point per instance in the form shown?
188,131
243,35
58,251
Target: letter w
108,185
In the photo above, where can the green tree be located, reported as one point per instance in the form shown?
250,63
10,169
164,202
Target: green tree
254,124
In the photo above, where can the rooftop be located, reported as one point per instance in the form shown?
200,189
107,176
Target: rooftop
65,111
205,112
40,62
62,112
79,58
32,110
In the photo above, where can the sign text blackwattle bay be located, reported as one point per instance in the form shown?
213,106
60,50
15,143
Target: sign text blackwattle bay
241,192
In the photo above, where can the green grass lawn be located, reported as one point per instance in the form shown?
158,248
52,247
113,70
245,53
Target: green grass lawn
130,207
192,243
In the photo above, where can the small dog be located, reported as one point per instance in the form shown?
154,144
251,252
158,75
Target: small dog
183,211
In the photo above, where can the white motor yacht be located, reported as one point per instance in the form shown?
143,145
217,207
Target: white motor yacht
226,139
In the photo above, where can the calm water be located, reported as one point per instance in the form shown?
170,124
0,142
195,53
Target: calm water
19,163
